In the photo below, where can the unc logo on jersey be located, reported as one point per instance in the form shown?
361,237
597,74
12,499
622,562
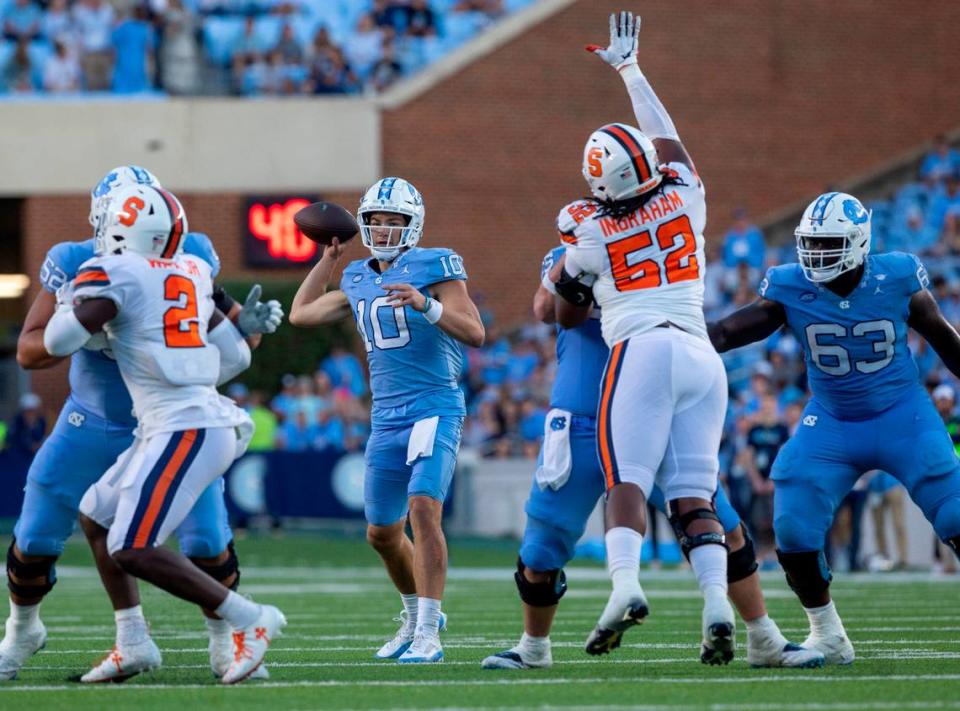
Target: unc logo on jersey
810,420
558,423
855,212
844,305
76,419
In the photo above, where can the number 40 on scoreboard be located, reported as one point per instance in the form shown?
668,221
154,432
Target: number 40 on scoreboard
272,239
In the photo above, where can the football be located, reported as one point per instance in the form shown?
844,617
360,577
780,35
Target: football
322,221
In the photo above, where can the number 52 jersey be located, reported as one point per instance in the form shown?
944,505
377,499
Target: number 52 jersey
649,265
855,346
159,338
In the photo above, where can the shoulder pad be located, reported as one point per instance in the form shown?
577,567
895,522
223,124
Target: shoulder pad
778,278
906,268
438,264
199,245
62,262
573,215
550,258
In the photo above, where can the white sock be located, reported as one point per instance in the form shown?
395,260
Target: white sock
534,645
824,621
763,629
24,615
238,610
709,563
623,556
410,605
217,628
428,616
131,626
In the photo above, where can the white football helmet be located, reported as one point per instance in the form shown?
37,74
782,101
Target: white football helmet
833,236
398,196
117,178
144,219
619,163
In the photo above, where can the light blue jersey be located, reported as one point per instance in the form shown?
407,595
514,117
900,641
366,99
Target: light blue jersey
855,346
414,366
95,382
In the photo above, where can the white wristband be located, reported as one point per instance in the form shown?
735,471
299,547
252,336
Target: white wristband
64,333
433,311
548,284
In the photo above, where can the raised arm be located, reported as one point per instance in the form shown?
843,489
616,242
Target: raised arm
652,117
314,305
747,325
926,319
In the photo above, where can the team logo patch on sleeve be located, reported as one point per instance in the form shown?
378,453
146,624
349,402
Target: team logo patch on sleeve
91,276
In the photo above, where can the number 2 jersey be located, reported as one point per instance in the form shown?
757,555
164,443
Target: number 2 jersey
649,265
855,346
159,338
414,365
95,381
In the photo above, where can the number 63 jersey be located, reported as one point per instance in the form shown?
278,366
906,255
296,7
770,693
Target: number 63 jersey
649,265
855,346
159,338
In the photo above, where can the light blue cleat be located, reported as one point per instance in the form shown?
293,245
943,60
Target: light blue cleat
424,650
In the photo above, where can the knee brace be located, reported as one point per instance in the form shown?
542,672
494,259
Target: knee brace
689,542
544,594
43,570
742,563
808,574
222,572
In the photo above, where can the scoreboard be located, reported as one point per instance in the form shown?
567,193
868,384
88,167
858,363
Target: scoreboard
272,239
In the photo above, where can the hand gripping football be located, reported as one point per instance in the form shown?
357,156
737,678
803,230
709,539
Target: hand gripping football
322,221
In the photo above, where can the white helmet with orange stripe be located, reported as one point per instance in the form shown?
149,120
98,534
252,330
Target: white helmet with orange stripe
620,163
144,219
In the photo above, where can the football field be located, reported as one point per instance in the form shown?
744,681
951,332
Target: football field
340,607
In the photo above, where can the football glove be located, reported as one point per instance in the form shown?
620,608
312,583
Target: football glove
259,317
622,52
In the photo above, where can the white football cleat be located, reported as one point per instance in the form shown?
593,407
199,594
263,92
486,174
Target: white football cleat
123,663
424,650
18,646
789,655
250,644
221,654
836,648
719,631
516,658
404,637
624,609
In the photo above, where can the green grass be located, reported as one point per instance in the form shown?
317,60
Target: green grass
340,608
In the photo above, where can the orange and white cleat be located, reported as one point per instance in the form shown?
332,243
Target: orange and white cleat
250,644
125,662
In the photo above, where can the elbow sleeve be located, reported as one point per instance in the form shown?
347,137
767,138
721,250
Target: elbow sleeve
234,351
64,334
652,117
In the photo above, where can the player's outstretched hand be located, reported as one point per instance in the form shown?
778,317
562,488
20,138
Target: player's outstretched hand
405,295
259,317
624,29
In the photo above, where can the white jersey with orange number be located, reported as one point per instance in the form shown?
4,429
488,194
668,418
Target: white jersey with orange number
159,338
648,266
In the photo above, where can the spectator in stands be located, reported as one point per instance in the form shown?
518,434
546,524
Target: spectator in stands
533,417
386,71
887,495
57,24
492,9
273,80
22,21
93,20
284,403
133,43
388,14
944,399
743,243
483,427
245,50
951,232
345,371
914,234
298,434
179,51
18,73
764,441
330,74
420,20
941,161
29,426
289,48
365,47
61,74
264,422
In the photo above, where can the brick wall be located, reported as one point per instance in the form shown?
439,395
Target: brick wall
774,99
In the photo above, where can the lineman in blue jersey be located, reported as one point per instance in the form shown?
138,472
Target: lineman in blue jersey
413,311
567,484
95,425
851,311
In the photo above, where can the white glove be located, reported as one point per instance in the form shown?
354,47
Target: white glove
622,52
258,317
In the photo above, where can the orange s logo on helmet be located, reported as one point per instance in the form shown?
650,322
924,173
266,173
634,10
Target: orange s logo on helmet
131,211
593,161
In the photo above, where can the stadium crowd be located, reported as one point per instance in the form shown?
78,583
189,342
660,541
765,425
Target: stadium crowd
249,47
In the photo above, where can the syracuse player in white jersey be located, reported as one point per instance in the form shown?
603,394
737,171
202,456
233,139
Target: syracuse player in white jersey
173,347
639,245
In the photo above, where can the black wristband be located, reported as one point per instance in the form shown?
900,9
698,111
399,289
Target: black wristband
222,300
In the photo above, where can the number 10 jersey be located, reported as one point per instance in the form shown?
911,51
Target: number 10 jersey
855,346
649,265
159,338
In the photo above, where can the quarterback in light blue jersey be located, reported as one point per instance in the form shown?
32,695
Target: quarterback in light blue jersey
851,312
95,426
413,312
568,482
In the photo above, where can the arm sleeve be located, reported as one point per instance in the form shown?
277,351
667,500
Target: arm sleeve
652,117
234,351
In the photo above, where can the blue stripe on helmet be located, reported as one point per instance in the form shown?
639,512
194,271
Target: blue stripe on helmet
820,207
386,188
142,176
